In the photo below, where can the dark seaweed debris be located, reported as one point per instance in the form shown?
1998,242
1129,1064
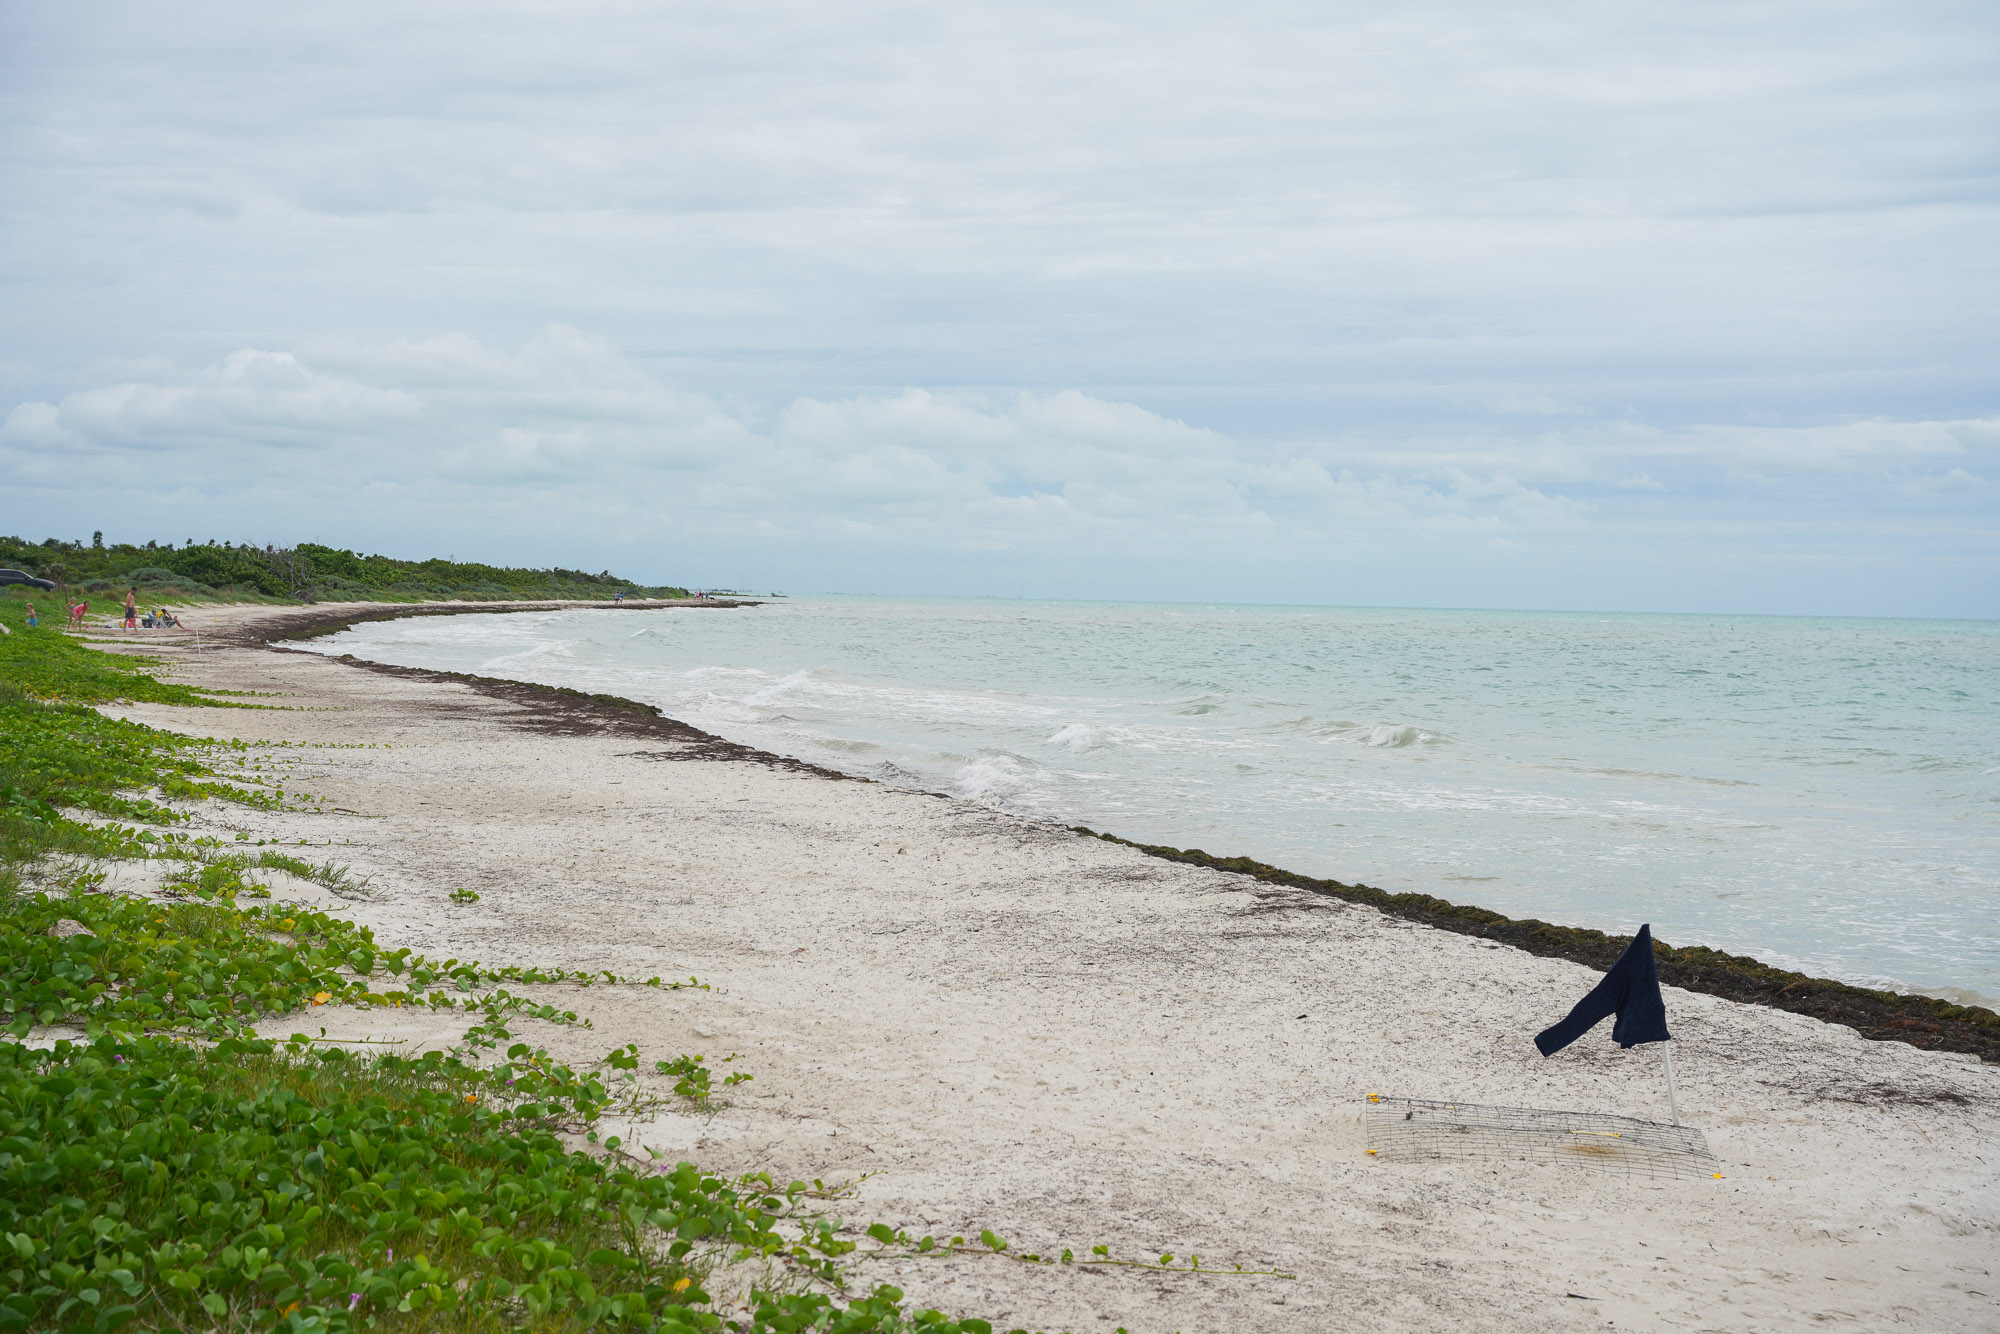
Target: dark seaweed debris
1885,1016
1921,1021
560,711
1888,1095
550,710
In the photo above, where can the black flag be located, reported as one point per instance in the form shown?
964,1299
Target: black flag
1631,990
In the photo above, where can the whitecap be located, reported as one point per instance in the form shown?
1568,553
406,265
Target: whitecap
1383,736
546,649
995,777
1076,737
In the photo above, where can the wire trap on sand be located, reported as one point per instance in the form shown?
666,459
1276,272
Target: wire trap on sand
1415,1130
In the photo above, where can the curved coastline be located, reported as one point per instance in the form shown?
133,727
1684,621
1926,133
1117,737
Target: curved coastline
1925,1022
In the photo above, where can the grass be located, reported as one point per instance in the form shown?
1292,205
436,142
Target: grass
211,873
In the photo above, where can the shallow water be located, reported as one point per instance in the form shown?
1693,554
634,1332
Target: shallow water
1821,793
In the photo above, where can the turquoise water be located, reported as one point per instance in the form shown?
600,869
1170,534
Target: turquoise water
1821,793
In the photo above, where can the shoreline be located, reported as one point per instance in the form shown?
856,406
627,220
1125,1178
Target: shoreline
978,1022
1925,1022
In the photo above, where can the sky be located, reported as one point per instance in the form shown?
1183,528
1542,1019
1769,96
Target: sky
1643,306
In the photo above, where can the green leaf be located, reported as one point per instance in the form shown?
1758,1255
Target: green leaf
116,1317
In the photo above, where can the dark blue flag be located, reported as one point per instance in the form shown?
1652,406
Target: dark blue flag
1631,990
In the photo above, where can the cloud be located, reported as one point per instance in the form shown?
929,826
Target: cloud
269,398
1429,303
564,440
1550,213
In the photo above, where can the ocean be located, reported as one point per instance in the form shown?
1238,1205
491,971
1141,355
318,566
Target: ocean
1821,793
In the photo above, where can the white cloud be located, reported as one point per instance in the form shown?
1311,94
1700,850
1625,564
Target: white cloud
270,398
1265,282
565,439
1042,195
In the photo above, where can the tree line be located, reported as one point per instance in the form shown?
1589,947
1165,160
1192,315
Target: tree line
302,572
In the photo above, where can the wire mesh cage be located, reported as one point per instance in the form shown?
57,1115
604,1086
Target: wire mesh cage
1414,1130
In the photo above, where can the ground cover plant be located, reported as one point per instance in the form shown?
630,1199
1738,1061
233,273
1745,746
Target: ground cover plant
166,1169
56,753
251,1185
163,1167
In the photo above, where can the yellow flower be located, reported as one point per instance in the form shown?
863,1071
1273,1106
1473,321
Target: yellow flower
681,1284
322,998
472,1097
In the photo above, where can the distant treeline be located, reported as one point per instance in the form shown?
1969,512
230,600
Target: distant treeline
305,572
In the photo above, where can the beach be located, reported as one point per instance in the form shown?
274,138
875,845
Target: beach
993,1023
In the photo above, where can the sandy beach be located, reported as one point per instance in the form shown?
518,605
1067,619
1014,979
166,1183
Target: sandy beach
995,1024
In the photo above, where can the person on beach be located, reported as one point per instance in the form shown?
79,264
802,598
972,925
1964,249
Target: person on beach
77,613
32,622
131,609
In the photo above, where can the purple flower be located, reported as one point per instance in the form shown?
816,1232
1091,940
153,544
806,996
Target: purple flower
353,1300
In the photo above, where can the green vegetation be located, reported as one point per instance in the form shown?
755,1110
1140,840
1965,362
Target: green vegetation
56,752
169,1170
245,571
162,1167
691,1078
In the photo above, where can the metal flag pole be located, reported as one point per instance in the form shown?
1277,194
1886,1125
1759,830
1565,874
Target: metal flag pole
1667,1059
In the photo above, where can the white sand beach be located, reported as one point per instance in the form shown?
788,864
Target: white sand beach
1007,1026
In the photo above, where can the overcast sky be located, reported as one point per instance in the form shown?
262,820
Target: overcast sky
1636,306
